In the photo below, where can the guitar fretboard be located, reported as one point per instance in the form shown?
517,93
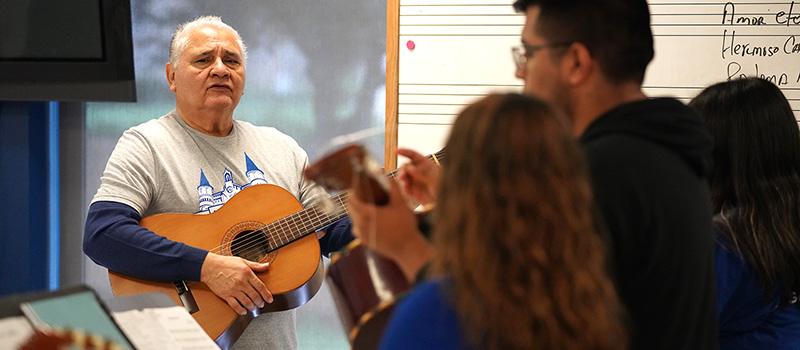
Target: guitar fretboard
297,225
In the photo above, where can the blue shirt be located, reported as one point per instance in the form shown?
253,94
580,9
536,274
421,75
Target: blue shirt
424,319
746,320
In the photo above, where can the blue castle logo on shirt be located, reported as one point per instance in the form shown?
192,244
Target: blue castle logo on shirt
210,201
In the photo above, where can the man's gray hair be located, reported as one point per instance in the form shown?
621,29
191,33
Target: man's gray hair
180,39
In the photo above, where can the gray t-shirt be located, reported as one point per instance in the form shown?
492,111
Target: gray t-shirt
165,166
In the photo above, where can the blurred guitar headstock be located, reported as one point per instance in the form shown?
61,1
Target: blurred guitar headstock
351,168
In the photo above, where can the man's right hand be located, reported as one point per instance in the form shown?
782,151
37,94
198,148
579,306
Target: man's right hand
419,177
234,280
391,230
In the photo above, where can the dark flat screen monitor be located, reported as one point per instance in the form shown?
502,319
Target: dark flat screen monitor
76,50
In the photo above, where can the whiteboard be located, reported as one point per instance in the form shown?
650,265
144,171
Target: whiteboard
701,43
454,52
461,51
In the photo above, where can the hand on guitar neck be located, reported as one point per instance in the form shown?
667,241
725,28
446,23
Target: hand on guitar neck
391,230
378,208
419,177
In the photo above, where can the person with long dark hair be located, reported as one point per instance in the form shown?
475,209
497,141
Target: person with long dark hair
755,187
518,263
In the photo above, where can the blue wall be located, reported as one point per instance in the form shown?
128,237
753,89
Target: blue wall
24,202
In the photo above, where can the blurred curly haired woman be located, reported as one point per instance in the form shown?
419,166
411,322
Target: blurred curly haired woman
518,261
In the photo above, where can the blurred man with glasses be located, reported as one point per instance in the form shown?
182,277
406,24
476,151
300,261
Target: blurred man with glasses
649,159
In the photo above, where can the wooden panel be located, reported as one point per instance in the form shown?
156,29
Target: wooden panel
392,73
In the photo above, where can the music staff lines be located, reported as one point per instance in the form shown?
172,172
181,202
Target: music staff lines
503,5
463,25
479,89
403,105
436,114
431,118
451,3
455,84
691,3
425,108
702,87
442,94
462,35
432,104
791,93
655,16
406,34
429,124
461,15
792,101
653,25
445,121
710,37
676,30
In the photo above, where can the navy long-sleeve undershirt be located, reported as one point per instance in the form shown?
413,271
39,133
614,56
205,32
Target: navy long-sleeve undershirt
114,239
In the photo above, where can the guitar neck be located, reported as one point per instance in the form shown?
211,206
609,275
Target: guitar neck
437,157
309,220
297,225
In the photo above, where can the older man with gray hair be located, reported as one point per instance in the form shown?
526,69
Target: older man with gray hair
193,160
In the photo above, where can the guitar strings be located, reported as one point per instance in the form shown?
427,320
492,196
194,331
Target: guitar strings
288,228
341,198
278,225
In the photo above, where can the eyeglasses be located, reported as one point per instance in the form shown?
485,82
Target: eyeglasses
522,53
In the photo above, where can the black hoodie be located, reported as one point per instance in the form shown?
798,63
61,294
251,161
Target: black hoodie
649,161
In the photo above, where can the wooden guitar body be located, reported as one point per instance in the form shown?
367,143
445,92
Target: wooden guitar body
365,286
261,223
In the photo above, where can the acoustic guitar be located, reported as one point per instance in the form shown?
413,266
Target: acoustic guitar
365,284
262,223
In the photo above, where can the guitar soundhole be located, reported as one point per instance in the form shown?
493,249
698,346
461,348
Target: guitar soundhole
250,245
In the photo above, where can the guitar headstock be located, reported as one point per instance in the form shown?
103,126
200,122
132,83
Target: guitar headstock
351,168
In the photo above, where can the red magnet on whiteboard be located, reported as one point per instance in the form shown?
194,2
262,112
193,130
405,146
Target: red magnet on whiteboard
410,45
